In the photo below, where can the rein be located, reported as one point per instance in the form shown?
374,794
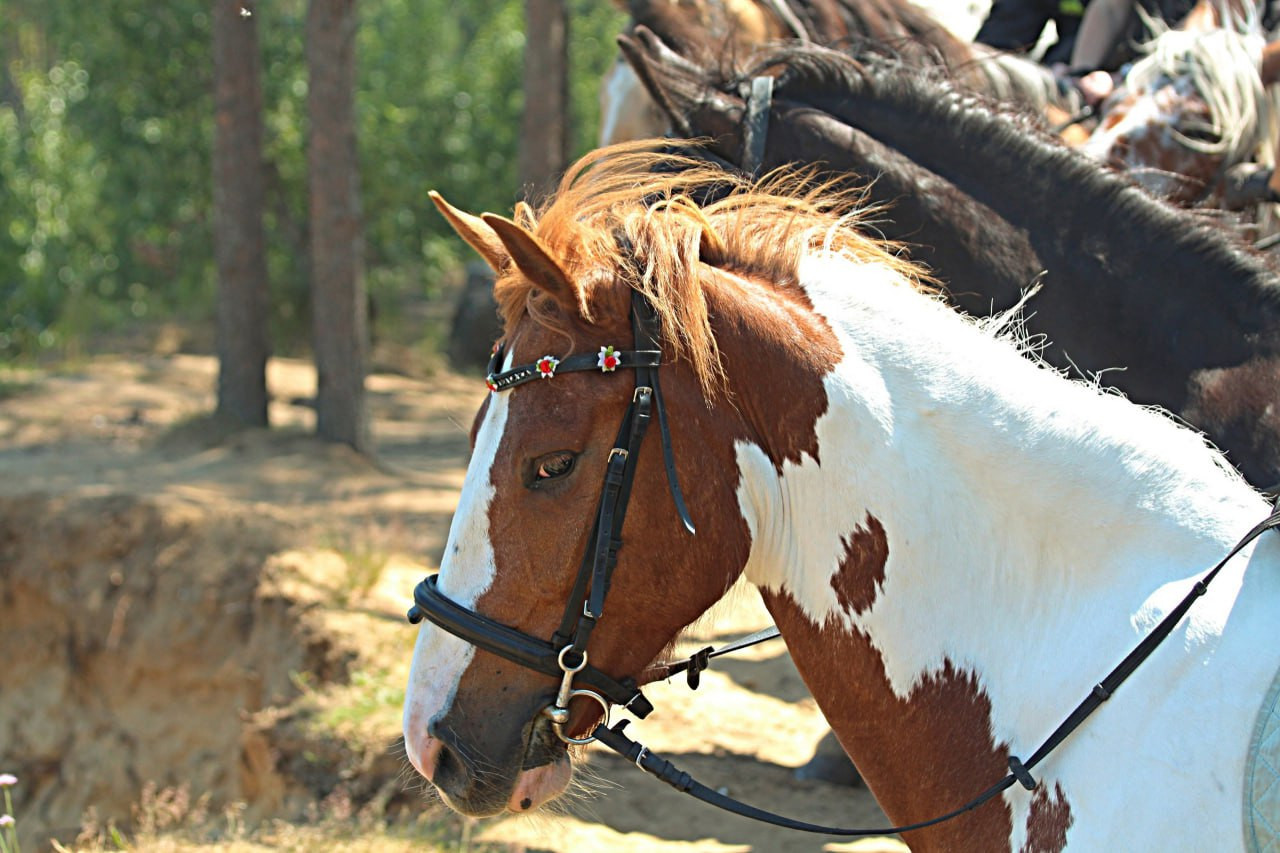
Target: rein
565,654
1019,771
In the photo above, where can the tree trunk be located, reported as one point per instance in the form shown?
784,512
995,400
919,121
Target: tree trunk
544,127
340,321
243,302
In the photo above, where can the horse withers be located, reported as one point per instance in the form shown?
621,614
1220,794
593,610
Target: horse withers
955,541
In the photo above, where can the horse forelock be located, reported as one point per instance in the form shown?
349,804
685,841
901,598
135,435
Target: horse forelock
633,214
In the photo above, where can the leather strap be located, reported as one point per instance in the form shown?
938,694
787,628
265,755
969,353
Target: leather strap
1019,771
516,646
755,126
585,361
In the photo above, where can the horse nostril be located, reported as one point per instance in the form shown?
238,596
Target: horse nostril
425,754
427,760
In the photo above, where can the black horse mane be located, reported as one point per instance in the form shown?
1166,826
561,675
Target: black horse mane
860,90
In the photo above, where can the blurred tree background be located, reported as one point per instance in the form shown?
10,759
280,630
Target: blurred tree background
106,114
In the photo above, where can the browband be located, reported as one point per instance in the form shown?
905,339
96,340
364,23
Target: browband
606,361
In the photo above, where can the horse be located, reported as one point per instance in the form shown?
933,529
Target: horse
1156,302
954,541
1193,108
727,31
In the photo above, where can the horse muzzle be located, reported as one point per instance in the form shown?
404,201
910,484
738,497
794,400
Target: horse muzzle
488,762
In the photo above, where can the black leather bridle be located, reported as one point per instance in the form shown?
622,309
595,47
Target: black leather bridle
565,654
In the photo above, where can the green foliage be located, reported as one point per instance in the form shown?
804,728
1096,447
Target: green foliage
104,141
106,136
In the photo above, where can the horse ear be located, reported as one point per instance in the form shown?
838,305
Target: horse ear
474,230
533,259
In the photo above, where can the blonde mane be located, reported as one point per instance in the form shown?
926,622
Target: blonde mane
1222,65
630,212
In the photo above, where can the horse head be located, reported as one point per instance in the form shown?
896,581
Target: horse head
702,31
1190,110
474,722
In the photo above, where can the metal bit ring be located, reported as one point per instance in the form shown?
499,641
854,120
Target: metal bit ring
590,694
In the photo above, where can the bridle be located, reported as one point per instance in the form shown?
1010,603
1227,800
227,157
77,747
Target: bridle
565,654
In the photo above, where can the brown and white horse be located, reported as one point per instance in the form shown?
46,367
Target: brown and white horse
727,32
956,542
1196,105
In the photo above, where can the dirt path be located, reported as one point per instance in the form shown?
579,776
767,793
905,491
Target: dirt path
132,426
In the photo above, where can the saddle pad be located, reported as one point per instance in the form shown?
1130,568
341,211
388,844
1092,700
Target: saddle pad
1262,778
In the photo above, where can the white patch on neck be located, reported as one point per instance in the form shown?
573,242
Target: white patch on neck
466,572
1036,529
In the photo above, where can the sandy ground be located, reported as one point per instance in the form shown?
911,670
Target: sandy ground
133,426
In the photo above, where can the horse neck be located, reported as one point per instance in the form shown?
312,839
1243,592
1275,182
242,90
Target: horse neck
959,500
1066,202
1003,163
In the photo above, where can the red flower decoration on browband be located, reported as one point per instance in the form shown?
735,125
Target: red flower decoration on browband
489,383
547,366
609,359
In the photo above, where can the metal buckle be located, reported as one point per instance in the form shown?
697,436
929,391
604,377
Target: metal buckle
618,451
558,713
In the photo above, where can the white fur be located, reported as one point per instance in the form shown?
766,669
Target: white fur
627,113
466,572
1037,528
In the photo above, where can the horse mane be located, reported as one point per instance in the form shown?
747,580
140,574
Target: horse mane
1222,64
833,82
630,209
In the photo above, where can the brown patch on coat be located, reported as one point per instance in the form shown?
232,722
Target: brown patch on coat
921,755
790,349
1237,406
861,573
1048,822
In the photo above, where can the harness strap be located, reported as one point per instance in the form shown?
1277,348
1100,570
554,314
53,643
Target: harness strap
701,660
516,646
755,125
585,361
644,324
650,762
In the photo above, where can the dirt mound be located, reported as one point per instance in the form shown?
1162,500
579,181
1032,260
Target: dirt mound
136,636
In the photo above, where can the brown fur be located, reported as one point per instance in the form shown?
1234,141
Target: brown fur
946,714
1048,822
861,571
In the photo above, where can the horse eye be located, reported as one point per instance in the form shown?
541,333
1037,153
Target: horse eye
555,465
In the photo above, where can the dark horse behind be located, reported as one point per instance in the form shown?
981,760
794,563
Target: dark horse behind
1164,305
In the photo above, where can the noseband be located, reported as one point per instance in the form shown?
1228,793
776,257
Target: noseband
565,654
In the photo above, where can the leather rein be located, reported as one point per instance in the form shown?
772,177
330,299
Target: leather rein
565,654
